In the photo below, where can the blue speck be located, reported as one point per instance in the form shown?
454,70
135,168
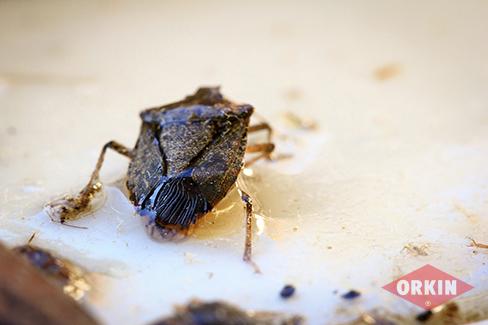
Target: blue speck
352,294
287,291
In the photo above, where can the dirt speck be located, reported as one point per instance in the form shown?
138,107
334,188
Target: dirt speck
351,294
190,258
298,122
387,72
416,250
293,94
473,218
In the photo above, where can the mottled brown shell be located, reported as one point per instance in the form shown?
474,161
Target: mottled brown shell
187,157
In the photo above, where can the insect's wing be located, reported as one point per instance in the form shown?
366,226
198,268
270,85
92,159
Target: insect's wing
203,158
182,143
187,158
217,168
147,166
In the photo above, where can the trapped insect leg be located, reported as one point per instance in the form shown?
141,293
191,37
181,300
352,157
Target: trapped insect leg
70,207
264,148
261,126
247,257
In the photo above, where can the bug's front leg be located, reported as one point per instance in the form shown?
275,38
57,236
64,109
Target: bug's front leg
247,257
70,207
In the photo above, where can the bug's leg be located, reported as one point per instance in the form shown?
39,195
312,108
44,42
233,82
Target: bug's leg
247,257
475,244
264,150
70,207
261,126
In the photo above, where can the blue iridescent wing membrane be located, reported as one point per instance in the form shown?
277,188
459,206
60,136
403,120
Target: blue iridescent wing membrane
180,202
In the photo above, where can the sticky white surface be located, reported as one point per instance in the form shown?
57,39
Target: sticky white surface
393,162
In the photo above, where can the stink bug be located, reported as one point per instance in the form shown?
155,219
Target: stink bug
187,157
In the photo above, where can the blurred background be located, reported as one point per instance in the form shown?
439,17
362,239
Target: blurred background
381,108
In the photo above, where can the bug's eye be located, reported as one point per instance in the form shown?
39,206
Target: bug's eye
245,110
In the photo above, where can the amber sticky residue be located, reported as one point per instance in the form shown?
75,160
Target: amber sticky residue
293,94
226,219
387,72
298,122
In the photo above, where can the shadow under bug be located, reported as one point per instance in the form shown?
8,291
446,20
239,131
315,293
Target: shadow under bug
186,159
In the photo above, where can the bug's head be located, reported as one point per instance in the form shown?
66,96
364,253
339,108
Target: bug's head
213,97
210,95
244,110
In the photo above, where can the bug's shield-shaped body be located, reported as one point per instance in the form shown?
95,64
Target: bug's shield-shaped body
187,157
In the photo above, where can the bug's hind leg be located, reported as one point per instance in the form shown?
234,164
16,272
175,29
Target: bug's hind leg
247,257
70,207
264,150
261,126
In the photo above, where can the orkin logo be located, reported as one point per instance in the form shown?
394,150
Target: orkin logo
427,287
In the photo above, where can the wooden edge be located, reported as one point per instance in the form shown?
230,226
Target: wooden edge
27,297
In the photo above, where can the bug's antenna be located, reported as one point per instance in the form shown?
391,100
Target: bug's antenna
72,226
63,223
